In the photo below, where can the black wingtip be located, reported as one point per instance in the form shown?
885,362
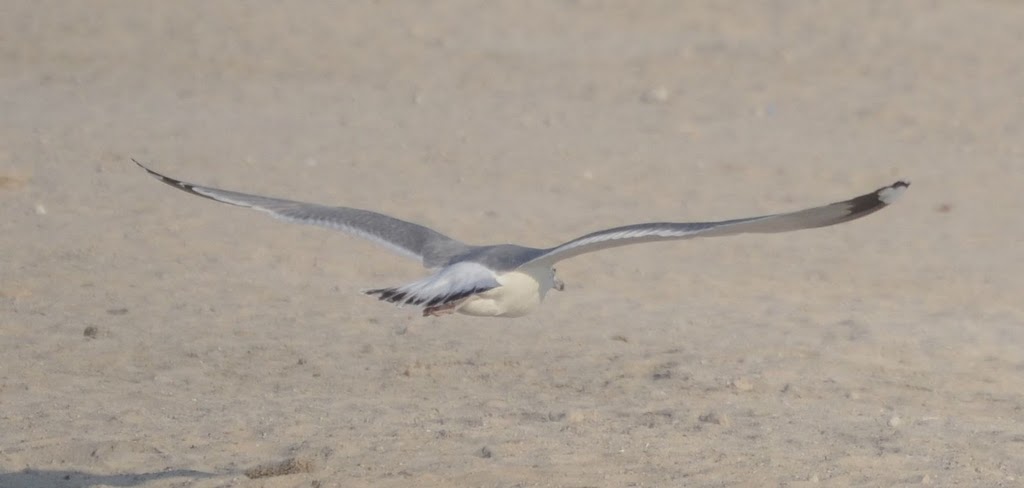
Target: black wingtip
136,161
891,193
874,201
156,175
880,197
181,185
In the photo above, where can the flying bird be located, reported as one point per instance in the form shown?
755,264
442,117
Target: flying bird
508,280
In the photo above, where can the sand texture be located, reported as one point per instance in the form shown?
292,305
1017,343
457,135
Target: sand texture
149,338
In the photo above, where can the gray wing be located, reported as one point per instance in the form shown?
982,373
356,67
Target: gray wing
832,214
416,241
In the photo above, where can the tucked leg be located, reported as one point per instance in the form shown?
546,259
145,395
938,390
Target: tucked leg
442,309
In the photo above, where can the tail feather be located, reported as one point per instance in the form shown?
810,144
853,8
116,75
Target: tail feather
450,284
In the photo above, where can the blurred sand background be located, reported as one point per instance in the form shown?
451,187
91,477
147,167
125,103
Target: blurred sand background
153,339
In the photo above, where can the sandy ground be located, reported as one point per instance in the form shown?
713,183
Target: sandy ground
153,339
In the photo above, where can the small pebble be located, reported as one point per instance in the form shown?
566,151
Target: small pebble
40,209
91,332
663,374
895,421
741,384
576,416
658,94
715,418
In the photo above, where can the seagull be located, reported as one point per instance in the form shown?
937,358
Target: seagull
508,280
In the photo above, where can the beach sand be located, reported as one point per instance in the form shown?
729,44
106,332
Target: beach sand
149,338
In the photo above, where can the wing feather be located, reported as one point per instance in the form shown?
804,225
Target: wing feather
826,215
406,238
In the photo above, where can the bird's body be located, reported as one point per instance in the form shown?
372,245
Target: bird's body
508,280
500,288
520,293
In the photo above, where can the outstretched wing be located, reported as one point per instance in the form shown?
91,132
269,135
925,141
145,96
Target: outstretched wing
416,241
450,284
835,213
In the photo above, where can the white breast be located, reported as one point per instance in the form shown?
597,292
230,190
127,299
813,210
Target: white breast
520,293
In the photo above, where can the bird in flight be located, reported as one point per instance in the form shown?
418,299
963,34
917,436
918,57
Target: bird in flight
508,280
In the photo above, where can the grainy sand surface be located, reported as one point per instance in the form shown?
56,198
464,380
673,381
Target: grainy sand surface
152,339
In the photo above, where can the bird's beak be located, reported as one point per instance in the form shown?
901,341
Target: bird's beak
559,285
